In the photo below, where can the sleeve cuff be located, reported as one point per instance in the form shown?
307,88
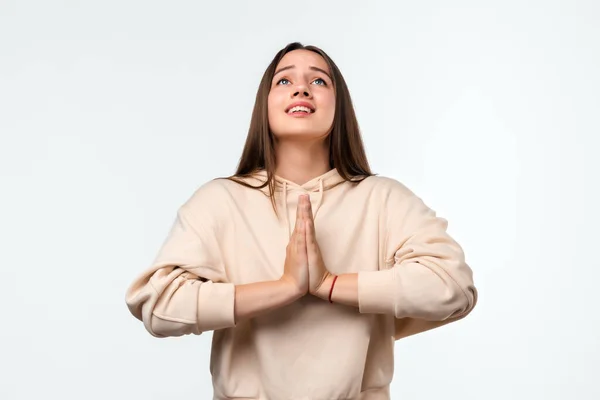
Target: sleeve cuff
376,292
216,306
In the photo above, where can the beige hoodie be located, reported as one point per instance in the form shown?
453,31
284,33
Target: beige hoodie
412,277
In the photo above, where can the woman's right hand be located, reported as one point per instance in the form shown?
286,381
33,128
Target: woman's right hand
295,270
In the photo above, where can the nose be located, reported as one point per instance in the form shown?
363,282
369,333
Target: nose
301,91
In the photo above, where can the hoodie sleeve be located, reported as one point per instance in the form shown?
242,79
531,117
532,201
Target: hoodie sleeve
185,291
428,283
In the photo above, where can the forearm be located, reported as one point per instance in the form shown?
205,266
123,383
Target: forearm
345,290
253,299
439,298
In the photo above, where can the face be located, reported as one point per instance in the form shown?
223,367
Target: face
301,103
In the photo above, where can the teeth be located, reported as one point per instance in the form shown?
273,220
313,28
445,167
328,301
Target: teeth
299,108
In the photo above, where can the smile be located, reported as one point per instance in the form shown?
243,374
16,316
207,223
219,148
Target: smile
300,110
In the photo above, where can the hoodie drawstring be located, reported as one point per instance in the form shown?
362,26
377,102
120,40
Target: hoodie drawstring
321,194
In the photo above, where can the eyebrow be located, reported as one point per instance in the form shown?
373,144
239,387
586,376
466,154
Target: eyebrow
311,67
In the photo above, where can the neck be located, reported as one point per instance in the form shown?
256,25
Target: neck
300,162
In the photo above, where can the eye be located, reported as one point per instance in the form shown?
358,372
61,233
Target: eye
323,83
281,80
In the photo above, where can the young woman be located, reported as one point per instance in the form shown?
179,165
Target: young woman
305,265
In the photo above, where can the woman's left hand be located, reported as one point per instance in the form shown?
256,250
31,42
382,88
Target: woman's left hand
319,277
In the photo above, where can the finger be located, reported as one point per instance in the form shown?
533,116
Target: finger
306,208
310,233
305,203
301,236
309,217
299,222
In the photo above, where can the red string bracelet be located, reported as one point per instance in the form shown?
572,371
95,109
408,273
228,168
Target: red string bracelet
331,290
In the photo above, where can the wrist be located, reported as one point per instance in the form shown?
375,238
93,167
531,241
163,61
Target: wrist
324,290
291,288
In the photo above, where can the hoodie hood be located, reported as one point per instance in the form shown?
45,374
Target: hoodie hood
285,189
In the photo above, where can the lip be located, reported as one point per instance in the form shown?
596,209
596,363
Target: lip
301,103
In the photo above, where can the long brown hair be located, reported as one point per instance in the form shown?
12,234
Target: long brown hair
346,149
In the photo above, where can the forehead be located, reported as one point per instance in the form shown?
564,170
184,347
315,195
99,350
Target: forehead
303,58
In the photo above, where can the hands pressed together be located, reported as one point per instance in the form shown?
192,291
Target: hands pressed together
304,267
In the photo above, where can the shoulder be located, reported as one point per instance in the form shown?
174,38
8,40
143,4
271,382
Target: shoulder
395,198
388,188
212,194
206,207
399,203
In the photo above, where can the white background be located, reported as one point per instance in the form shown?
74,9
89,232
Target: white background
112,113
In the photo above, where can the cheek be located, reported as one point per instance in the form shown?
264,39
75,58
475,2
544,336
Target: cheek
275,100
274,114
271,105
329,105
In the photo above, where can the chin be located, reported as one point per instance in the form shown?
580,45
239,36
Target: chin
301,134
